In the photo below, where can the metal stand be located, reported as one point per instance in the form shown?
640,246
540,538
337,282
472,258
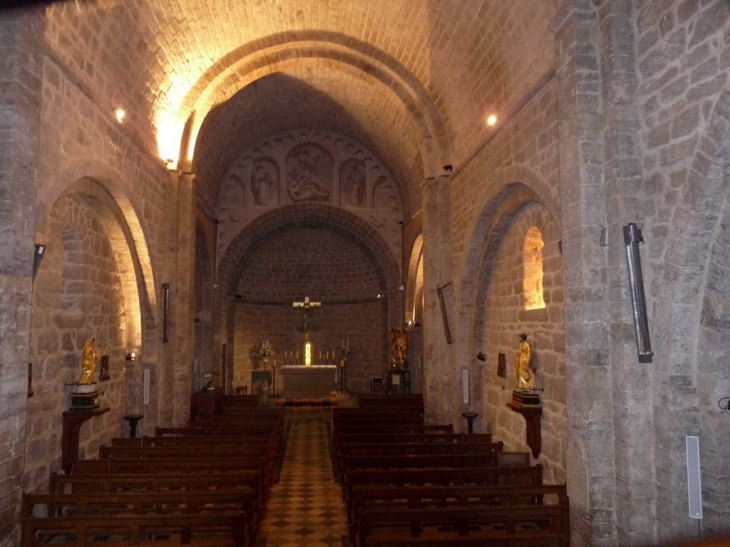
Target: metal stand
470,420
132,419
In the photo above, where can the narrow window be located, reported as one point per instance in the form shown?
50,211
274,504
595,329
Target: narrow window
532,261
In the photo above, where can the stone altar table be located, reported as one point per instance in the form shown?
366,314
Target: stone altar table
312,381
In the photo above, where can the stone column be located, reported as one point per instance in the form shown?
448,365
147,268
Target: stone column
439,370
633,419
176,376
21,62
432,329
591,445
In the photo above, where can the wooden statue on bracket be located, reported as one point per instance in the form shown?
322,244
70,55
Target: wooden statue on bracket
525,394
399,348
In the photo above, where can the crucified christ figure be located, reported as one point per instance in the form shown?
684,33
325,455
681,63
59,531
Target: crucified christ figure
306,304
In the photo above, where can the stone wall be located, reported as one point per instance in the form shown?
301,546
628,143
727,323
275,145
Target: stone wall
506,318
327,267
21,53
77,294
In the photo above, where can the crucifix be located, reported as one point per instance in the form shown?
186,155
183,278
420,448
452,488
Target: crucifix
306,304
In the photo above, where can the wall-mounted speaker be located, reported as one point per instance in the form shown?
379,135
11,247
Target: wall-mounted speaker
694,480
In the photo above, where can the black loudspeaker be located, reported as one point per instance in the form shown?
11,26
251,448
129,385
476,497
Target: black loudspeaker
694,479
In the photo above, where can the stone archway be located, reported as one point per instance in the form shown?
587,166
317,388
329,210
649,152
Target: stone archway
690,344
491,307
342,225
89,283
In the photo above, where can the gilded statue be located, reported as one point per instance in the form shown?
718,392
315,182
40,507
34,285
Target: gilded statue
399,347
525,373
88,361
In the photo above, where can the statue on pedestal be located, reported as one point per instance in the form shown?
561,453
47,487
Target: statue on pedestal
525,372
88,361
399,348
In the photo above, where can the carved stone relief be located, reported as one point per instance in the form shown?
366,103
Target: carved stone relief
309,174
265,182
353,183
308,166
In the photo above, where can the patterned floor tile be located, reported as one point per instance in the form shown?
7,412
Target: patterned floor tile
305,508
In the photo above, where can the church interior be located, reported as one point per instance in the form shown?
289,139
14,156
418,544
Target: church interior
338,199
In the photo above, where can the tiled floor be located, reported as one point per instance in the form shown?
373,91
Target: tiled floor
305,508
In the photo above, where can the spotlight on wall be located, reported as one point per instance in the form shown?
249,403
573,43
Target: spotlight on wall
40,248
481,356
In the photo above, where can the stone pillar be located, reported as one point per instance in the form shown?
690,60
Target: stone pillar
590,457
439,370
633,417
180,347
432,329
21,62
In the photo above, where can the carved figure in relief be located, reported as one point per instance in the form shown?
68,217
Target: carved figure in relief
399,347
525,373
88,361
264,182
303,177
353,184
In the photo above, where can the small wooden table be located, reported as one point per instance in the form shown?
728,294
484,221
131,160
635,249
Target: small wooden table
72,422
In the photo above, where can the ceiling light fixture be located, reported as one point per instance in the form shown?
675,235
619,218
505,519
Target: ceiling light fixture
491,120
120,115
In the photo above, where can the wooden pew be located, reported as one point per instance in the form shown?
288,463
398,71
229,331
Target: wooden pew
398,497
526,476
412,454
420,461
388,437
119,482
241,503
214,450
394,429
379,525
176,465
80,531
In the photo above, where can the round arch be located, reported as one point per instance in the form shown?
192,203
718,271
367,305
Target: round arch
267,55
135,289
76,178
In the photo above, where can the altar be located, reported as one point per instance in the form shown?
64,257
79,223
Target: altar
312,381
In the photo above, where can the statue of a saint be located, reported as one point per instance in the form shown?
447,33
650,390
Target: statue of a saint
399,347
525,373
88,361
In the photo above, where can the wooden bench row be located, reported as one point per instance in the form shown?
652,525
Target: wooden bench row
184,487
404,485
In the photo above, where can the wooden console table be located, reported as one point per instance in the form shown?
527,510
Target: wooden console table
533,417
72,422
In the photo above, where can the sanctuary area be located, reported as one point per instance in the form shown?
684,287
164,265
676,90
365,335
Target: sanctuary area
509,217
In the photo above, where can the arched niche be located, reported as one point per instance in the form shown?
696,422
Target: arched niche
85,286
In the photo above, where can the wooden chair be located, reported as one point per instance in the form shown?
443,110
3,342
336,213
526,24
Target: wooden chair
241,390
